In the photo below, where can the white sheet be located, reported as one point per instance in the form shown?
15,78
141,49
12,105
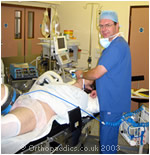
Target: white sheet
71,94
67,92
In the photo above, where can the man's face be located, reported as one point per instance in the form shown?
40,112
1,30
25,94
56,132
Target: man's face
108,28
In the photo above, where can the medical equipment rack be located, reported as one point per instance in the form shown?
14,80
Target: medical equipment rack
135,128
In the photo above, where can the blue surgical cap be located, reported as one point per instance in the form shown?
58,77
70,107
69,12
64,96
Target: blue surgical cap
109,15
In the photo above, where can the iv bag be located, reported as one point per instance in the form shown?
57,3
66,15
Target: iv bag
45,25
55,24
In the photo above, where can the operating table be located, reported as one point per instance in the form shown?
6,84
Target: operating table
61,135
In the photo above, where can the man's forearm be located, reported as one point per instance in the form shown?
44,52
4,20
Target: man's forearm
90,75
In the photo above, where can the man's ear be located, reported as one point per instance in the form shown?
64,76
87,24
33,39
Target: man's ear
117,26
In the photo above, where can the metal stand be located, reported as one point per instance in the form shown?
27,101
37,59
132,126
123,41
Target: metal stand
91,31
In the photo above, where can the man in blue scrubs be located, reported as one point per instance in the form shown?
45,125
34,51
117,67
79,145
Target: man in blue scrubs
113,80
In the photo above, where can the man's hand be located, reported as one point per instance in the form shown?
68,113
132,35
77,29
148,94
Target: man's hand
78,74
93,94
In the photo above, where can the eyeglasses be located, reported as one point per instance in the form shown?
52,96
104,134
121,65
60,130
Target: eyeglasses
106,26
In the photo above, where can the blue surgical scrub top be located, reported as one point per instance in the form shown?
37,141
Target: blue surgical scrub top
114,87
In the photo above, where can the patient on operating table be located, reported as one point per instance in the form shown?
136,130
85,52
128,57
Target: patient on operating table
34,110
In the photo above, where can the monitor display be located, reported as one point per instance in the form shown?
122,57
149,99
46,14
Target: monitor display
64,57
60,44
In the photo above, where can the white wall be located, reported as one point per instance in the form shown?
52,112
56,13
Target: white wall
74,17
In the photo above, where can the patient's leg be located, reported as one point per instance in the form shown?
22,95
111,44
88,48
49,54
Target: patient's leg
27,115
20,120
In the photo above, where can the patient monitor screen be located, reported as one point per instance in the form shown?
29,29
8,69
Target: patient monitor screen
61,43
64,57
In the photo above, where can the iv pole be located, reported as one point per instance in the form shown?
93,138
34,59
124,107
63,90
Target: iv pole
52,7
91,30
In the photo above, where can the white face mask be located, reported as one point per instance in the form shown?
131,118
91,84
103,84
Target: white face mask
105,41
